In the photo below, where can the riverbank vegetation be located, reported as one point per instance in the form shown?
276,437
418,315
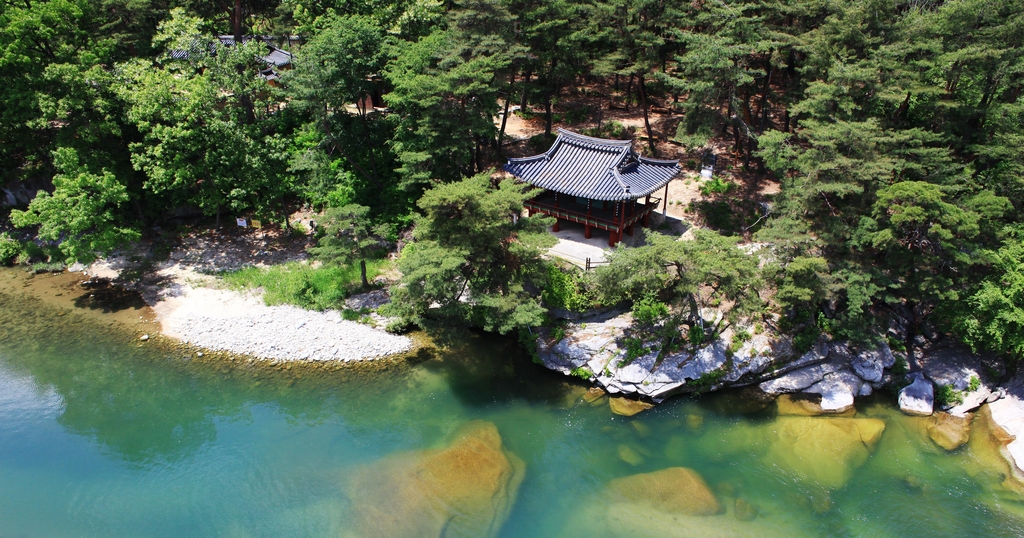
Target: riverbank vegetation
894,130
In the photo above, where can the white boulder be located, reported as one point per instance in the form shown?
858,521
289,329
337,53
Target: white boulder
917,398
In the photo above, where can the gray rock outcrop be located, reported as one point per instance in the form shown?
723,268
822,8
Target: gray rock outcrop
918,397
869,365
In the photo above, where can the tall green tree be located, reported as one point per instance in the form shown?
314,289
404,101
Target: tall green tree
693,275
475,262
83,212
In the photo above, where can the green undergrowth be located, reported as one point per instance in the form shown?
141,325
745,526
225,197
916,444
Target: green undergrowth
299,284
567,289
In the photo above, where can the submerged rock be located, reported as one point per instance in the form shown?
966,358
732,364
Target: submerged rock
805,405
466,489
676,490
823,451
948,431
593,394
744,510
918,397
627,407
629,455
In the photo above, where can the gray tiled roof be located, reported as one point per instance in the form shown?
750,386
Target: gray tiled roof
595,168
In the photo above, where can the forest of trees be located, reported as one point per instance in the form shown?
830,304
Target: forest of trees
896,129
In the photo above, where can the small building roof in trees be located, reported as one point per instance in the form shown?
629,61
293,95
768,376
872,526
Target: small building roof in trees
595,168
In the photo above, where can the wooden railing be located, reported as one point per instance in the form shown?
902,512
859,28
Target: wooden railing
581,217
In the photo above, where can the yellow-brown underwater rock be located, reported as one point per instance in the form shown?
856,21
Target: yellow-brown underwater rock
464,490
823,451
676,490
627,407
948,431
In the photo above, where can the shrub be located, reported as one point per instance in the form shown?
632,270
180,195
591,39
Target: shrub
738,339
558,333
717,214
528,342
582,372
9,249
900,367
896,344
804,340
707,380
716,186
566,290
695,335
649,310
946,395
47,267
973,384
634,349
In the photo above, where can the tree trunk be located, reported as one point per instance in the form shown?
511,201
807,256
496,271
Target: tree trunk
238,22
629,91
526,89
547,116
764,99
366,132
362,273
647,122
551,90
504,117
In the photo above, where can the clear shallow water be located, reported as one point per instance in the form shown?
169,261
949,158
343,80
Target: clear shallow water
101,436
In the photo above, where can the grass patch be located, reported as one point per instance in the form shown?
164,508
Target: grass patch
298,284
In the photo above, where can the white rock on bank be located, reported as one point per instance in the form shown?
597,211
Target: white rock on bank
917,398
837,390
1008,413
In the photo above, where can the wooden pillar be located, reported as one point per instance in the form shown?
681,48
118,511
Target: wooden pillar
664,201
629,230
556,227
622,219
645,221
586,227
613,237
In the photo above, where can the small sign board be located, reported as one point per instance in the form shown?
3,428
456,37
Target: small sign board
241,222
256,224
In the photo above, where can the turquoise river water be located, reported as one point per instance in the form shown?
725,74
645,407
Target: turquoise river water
101,436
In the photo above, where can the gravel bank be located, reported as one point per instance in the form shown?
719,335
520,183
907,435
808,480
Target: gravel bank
229,321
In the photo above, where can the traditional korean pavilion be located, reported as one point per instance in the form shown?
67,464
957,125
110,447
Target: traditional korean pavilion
594,182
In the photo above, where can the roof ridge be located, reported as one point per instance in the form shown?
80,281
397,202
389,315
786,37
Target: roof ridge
593,140
657,161
531,158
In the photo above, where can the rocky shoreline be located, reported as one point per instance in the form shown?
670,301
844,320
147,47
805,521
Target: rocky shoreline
825,380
